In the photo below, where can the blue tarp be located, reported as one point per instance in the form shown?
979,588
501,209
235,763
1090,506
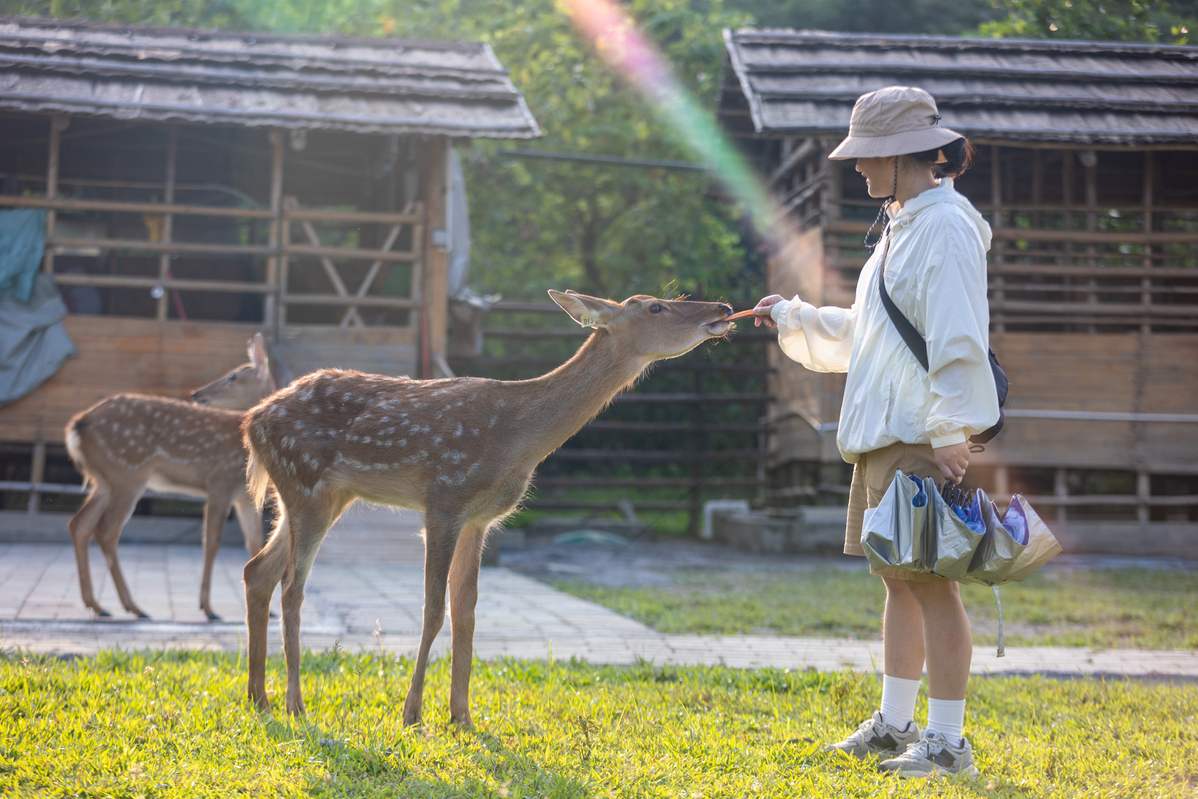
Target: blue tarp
22,239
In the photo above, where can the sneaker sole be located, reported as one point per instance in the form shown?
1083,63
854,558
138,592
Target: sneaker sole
972,771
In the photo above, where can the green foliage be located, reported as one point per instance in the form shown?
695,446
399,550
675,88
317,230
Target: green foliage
1094,20
1142,608
940,17
177,724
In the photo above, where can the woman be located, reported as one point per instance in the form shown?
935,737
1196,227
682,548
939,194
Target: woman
898,416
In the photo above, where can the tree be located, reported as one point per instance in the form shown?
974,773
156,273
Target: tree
1094,20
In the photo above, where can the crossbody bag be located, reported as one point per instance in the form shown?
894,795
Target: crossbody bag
919,347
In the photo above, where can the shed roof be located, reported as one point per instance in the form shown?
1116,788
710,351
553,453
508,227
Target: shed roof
311,82
805,83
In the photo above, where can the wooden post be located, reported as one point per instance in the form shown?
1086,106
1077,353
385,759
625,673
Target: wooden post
270,307
1002,481
1060,490
1068,159
37,474
1146,281
996,222
1143,493
58,124
1091,167
164,260
436,261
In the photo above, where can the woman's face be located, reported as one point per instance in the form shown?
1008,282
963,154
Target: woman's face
879,175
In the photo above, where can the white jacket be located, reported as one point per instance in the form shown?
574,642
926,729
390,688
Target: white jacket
936,275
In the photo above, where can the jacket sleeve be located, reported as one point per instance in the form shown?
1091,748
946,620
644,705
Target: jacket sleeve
956,324
821,339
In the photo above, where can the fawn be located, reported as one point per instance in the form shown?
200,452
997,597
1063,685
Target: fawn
462,449
129,442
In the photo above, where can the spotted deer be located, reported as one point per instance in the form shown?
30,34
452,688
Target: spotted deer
462,450
130,442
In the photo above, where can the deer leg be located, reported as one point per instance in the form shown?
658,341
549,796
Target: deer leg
250,520
81,527
308,528
463,596
216,511
262,573
116,515
439,537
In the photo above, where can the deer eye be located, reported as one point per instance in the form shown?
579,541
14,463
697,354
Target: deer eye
232,377
655,308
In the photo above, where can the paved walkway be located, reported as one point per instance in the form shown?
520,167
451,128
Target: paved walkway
367,579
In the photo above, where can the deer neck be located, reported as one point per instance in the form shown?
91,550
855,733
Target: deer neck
564,400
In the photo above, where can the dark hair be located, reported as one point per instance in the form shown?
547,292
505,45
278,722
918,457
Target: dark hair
959,155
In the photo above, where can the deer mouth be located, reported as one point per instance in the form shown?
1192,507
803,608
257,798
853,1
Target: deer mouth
720,327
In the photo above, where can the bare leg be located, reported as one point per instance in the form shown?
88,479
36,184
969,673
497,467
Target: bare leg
120,508
947,638
463,596
902,632
216,510
251,522
82,526
309,524
440,536
261,575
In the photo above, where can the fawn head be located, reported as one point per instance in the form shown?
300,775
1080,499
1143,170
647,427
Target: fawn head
242,388
653,328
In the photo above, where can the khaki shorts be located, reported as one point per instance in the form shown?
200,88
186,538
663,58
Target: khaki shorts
872,475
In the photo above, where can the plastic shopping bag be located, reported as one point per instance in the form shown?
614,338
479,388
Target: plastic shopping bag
893,535
960,535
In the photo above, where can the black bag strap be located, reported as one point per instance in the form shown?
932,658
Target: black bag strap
915,342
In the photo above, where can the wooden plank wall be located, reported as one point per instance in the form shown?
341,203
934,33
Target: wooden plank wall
125,355
1152,374
1125,374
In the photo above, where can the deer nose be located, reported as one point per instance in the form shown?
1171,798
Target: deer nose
726,308
195,397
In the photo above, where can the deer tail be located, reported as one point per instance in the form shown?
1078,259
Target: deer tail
74,436
256,475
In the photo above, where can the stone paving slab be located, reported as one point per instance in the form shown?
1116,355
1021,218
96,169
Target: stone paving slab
368,579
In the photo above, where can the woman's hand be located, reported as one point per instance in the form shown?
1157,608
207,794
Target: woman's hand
763,310
953,460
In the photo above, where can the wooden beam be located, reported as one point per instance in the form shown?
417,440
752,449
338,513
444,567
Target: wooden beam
164,259
58,124
270,309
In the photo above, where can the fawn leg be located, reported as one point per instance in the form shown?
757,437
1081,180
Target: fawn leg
309,524
261,575
439,535
463,596
250,520
216,510
82,526
116,515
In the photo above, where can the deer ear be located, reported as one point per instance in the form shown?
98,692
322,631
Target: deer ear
586,311
257,350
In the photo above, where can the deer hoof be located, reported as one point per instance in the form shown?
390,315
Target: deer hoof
102,612
211,616
141,614
296,708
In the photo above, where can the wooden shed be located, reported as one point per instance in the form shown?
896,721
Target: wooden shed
1087,166
201,186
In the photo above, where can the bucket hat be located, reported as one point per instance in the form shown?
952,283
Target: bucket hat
897,120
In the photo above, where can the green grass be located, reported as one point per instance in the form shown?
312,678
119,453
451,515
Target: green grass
1137,608
176,725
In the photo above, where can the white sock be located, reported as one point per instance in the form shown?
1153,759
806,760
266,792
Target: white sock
947,717
898,700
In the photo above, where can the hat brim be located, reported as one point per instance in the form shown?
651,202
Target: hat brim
905,143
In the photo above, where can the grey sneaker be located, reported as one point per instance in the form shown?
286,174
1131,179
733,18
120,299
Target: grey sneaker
875,737
932,754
